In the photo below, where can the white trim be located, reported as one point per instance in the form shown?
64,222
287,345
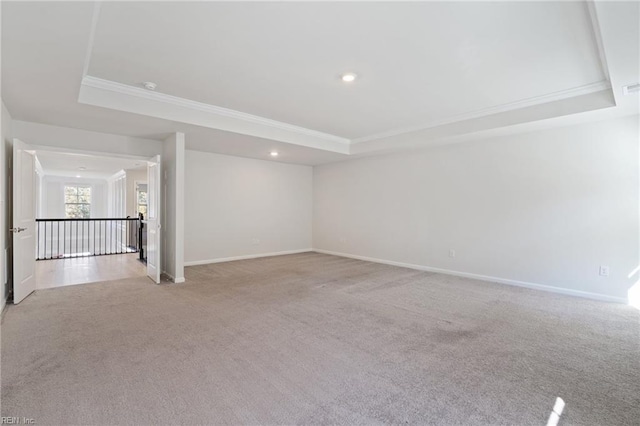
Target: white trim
535,286
249,256
84,152
124,89
597,35
92,36
171,278
39,169
511,106
115,87
116,176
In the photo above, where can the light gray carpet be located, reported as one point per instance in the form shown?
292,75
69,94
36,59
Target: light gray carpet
317,339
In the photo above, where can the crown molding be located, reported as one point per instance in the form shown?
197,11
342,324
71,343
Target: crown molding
124,89
272,129
346,145
121,174
71,175
524,103
597,35
92,36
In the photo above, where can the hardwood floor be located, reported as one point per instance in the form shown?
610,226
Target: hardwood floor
81,270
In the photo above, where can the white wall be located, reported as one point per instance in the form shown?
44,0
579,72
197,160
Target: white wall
52,196
172,200
544,208
75,139
243,207
133,176
6,155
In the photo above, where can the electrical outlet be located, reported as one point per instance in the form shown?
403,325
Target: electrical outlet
452,253
255,241
604,271
343,240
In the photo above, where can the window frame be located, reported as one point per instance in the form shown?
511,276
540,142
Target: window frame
77,186
137,185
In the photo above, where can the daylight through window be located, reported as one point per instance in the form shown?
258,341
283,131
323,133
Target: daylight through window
142,198
77,202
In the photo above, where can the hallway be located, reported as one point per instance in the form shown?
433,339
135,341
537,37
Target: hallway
82,270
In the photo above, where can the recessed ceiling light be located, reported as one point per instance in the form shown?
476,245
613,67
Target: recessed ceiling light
349,77
77,176
273,153
149,85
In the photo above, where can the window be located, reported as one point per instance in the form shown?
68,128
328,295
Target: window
77,202
141,194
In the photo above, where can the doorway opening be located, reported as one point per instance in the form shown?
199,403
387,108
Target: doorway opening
50,185
88,226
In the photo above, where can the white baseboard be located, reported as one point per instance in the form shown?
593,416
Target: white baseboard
535,286
172,278
249,256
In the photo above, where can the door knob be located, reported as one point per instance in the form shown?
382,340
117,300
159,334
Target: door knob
18,229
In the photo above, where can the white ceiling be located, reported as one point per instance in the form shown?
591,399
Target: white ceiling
418,62
244,78
55,163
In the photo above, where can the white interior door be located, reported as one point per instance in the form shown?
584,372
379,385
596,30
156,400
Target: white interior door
152,221
24,221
